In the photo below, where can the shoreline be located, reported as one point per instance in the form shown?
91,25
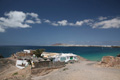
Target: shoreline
76,50
87,46
111,46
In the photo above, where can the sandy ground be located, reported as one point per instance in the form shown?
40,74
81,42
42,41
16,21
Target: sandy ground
85,70
82,70
8,70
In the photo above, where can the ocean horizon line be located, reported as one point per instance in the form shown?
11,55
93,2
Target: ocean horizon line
68,45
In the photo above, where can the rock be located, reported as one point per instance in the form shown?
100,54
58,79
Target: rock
1,56
110,61
117,61
118,55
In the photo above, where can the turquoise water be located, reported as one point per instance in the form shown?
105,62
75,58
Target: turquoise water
90,53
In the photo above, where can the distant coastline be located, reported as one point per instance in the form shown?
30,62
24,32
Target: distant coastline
66,45
71,45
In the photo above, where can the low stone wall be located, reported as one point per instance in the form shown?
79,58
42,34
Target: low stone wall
48,64
42,68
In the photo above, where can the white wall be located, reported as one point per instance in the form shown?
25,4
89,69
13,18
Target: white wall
26,51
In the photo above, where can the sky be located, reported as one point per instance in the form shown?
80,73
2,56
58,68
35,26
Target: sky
46,22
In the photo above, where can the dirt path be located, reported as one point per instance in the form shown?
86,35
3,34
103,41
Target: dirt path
85,70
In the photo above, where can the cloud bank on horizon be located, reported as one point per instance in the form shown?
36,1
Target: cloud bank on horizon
20,19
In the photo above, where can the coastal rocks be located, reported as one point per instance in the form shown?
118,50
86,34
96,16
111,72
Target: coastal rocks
1,56
110,61
118,55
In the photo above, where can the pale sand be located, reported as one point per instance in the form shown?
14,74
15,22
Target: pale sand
8,70
85,70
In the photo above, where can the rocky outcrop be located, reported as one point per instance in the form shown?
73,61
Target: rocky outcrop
1,56
110,61
118,55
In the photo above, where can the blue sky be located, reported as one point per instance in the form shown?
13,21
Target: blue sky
45,22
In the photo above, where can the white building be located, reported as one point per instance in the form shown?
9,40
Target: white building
26,51
49,55
21,64
65,57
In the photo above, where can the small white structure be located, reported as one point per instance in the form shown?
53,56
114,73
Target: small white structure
49,55
21,64
26,51
65,57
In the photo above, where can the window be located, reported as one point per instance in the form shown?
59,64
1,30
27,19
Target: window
75,57
71,57
63,58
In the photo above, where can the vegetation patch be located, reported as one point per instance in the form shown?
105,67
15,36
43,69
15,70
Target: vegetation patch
65,69
38,52
16,73
22,75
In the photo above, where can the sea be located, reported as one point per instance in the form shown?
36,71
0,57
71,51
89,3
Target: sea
90,53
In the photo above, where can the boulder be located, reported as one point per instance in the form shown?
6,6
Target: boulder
1,56
118,55
117,61
111,61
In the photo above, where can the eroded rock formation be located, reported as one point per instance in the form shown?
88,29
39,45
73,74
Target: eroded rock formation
110,61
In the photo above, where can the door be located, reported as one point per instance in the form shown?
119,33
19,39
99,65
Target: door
71,57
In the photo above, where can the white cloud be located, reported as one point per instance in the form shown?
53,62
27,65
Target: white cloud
71,24
111,23
50,22
63,23
17,19
79,23
58,23
30,21
2,29
104,24
86,21
66,23
33,15
54,24
38,21
102,18
47,21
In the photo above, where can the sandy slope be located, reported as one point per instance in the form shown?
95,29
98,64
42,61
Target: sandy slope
8,70
85,70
